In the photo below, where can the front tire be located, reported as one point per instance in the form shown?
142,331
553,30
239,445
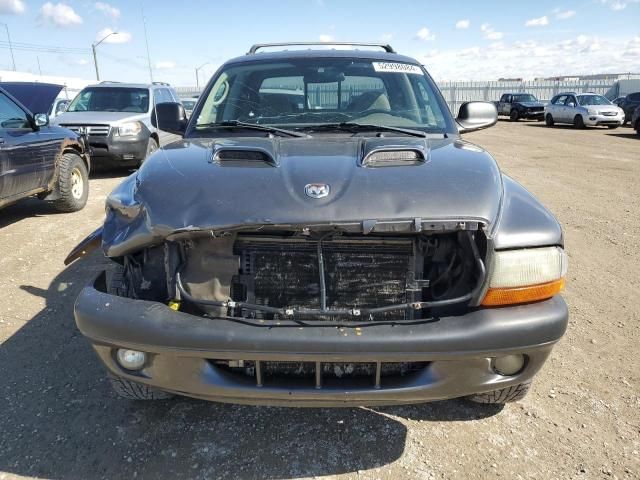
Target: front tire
548,120
504,395
578,122
73,184
514,116
136,391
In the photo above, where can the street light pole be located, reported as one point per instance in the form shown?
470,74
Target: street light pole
93,49
197,78
13,60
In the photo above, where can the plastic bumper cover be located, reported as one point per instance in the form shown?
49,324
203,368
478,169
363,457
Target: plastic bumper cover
458,351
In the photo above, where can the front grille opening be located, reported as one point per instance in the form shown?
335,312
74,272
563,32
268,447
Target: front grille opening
321,374
334,277
358,274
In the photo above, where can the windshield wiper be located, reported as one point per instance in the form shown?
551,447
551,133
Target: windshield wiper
252,126
365,126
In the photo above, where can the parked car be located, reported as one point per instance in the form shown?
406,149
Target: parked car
188,103
117,120
635,120
629,104
520,105
37,159
356,253
582,110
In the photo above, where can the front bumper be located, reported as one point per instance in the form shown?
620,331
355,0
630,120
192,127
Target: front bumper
535,115
122,150
183,348
598,120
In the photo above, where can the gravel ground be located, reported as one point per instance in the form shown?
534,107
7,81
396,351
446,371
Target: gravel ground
59,418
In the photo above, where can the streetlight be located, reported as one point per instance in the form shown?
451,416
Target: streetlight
93,47
197,78
10,45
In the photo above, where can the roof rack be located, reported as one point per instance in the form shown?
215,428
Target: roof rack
386,47
109,81
161,83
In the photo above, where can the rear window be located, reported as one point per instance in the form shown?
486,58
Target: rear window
107,99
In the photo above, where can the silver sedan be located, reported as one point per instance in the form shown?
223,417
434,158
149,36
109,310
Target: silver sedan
582,110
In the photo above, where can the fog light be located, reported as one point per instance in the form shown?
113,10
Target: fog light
508,365
131,359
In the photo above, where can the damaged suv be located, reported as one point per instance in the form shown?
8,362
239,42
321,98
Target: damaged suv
322,236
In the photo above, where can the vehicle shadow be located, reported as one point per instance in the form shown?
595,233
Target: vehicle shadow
32,207
60,418
630,135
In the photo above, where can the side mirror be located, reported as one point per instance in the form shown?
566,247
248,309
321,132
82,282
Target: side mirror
571,104
41,119
169,117
476,116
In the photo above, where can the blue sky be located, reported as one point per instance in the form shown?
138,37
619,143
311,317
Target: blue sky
457,41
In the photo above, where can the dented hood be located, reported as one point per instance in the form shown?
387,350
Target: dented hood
184,187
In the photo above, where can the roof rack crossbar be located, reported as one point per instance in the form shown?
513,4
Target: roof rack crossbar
254,48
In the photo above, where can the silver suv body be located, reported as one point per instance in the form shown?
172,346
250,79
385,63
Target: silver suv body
583,109
116,117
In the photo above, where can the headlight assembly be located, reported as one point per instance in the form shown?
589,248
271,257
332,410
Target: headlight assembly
526,275
129,129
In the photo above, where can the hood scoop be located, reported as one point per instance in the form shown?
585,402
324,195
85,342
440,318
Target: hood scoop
379,153
239,156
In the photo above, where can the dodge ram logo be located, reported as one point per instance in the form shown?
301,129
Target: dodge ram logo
317,190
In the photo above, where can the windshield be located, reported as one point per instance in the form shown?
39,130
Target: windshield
593,100
524,98
298,94
107,99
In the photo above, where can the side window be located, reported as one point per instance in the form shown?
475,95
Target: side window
571,101
634,97
559,100
507,99
12,116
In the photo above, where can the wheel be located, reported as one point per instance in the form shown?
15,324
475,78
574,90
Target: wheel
612,127
73,184
548,119
152,146
136,391
638,127
504,395
578,122
514,116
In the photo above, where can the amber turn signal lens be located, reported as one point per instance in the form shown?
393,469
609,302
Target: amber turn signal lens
532,293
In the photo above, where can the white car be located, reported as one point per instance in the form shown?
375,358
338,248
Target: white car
582,110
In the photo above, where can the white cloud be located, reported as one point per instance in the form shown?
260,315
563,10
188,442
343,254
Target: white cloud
107,9
537,22
60,14
582,54
13,7
425,34
325,37
490,33
617,5
564,15
165,65
120,37
462,24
